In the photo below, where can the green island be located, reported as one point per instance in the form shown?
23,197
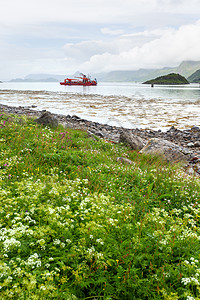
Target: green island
170,79
77,223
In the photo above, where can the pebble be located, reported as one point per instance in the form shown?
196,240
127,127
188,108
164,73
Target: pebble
190,144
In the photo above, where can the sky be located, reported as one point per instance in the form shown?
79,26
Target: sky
91,36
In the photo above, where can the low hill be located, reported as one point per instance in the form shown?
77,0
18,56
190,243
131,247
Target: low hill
126,76
48,79
169,79
185,68
40,78
195,77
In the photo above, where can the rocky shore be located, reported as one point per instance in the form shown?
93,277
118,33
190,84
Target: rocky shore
174,144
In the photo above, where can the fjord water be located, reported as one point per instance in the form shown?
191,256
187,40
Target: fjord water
131,105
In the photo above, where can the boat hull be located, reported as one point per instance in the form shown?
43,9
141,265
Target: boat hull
79,83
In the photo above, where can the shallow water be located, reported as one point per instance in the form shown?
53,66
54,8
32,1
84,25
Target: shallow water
129,105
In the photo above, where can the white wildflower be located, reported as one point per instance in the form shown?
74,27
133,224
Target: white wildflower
193,280
51,259
100,241
11,243
57,242
185,281
68,241
34,261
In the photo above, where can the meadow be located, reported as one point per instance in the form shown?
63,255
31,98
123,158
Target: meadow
77,223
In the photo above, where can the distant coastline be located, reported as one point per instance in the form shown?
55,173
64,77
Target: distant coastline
186,69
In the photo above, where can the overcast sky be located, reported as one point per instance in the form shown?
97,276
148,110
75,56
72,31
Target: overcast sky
65,36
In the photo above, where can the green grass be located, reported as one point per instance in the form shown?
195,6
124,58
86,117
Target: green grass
75,223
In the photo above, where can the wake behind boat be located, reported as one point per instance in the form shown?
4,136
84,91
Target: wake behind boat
82,80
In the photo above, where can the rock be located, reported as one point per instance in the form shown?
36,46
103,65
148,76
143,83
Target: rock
170,151
190,144
197,168
190,171
172,129
195,159
99,133
134,141
195,128
197,144
92,135
74,117
125,160
47,119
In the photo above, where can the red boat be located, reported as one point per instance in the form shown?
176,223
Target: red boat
82,80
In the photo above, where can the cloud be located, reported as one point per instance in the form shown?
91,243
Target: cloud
178,6
109,31
84,50
77,11
172,47
89,11
58,35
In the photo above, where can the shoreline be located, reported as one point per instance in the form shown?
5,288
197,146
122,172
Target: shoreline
116,105
188,138
177,136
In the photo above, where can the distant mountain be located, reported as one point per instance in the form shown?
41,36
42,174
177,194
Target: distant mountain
186,68
195,77
49,79
170,79
126,76
45,77
41,78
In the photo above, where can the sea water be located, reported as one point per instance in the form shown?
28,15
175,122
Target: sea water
130,105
